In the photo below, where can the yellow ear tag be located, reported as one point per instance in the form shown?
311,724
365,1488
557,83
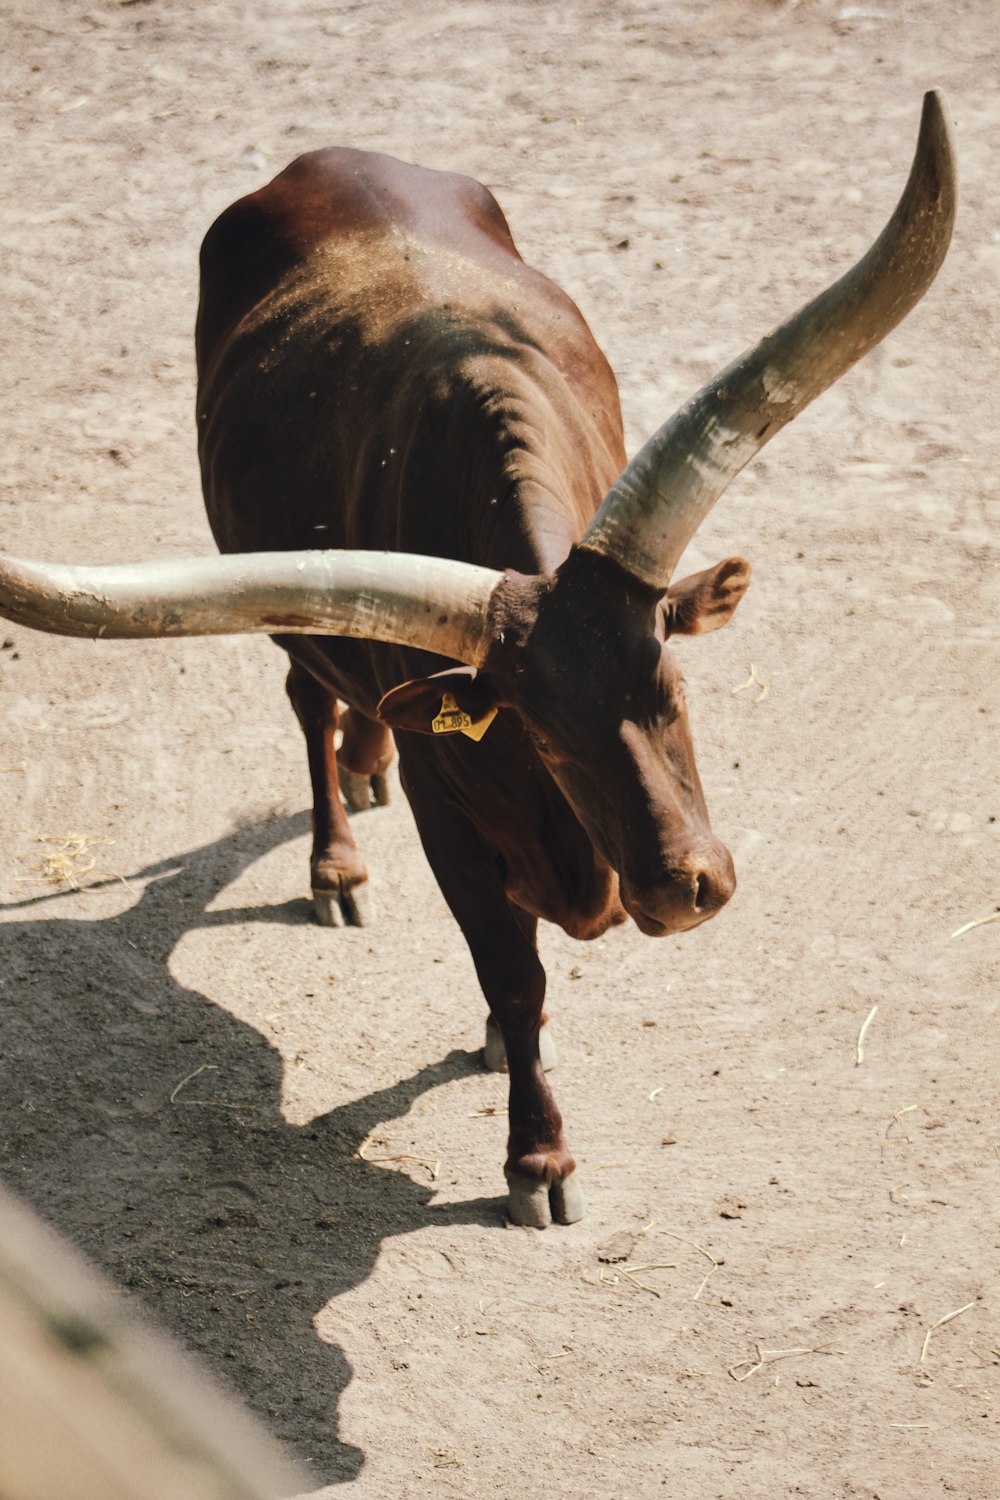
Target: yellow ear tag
454,720
478,729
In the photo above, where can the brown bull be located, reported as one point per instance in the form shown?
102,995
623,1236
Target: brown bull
381,374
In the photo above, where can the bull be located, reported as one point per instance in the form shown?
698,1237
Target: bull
414,467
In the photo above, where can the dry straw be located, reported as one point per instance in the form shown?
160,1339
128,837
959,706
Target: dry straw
940,1324
860,1050
994,916
771,1356
754,677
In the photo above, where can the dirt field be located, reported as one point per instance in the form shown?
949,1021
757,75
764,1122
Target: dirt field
278,1138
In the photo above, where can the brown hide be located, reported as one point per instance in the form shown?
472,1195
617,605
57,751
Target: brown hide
380,369
418,440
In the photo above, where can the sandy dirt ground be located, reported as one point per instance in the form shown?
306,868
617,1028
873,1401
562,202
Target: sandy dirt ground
279,1139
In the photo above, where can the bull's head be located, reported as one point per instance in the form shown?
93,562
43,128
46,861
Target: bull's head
582,658
581,655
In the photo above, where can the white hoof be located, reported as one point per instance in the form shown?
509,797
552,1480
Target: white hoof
353,908
360,792
355,789
536,1205
495,1053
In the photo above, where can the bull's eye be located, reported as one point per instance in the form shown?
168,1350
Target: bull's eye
537,740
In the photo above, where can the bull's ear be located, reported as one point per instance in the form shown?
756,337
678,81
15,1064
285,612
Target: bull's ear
705,601
461,700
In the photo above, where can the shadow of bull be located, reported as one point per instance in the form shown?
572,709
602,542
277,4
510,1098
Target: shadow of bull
210,1217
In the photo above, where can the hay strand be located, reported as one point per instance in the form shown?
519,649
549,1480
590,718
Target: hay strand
629,1272
204,1068
940,1324
432,1167
860,1050
715,1264
72,857
770,1357
994,916
754,677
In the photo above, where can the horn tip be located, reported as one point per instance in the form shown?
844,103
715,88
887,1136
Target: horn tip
935,125
935,169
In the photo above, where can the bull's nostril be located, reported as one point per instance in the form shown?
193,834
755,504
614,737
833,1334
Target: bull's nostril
683,896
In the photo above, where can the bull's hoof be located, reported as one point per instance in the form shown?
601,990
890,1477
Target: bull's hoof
353,908
360,791
495,1053
536,1205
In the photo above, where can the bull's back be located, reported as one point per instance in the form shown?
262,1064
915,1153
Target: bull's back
379,368
357,310
339,206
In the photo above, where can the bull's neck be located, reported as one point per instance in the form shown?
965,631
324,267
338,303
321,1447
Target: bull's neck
545,471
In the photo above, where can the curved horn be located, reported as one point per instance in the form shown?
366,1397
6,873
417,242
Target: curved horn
429,602
658,503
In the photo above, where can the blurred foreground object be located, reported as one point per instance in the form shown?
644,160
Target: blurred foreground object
94,1405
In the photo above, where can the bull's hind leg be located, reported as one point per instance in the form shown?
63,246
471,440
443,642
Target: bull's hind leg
495,1050
363,759
339,876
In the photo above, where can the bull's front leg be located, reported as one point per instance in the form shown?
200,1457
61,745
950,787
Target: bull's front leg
540,1169
338,872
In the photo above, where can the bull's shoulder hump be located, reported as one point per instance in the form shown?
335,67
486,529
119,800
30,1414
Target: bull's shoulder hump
340,194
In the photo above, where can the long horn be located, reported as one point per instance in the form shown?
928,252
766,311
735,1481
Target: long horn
434,603
658,503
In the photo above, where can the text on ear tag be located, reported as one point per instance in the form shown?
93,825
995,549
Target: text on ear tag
454,720
451,719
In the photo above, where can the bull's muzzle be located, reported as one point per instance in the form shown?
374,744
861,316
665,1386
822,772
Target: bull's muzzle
689,892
